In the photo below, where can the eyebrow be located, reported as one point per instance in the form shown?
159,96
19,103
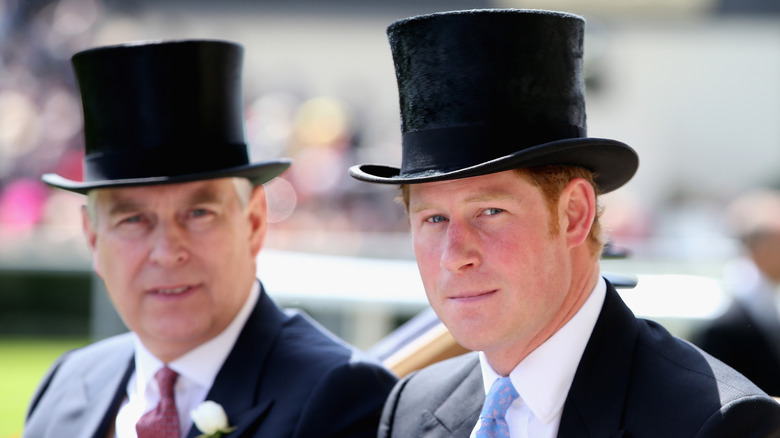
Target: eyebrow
416,208
121,206
204,194
490,197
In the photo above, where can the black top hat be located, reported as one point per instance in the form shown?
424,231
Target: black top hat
483,91
163,112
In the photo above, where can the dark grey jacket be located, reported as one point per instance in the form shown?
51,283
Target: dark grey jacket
285,377
634,380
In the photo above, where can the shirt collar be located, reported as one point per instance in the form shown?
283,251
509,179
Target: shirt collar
556,361
201,364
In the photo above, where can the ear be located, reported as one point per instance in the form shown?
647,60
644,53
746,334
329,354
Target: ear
257,214
578,208
90,234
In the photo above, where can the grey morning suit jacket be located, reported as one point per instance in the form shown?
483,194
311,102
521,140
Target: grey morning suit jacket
285,377
634,380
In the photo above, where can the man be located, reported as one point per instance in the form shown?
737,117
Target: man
175,217
501,183
747,335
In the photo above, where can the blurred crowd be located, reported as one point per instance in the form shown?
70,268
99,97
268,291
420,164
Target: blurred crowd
41,131
314,207
40,120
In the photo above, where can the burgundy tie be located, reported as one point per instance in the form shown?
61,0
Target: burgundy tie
163,420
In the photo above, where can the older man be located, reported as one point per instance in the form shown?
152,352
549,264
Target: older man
175,217
501,185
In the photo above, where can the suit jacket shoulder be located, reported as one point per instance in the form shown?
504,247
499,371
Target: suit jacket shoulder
288,377
80,389
637,380
739,341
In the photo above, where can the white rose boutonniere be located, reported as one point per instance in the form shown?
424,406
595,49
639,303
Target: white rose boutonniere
210,418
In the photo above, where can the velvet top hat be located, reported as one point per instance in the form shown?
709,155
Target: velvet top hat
483,91
163,112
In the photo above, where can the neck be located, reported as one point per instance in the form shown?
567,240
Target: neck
505,360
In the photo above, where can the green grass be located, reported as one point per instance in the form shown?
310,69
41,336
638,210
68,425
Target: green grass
23,361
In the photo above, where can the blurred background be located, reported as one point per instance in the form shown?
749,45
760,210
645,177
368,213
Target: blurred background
692,85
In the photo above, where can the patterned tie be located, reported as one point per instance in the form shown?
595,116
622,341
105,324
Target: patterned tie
163,420
492,422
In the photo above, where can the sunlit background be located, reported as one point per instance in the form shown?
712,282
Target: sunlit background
692,85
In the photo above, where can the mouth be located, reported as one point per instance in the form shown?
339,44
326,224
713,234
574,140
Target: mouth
171,291
472,296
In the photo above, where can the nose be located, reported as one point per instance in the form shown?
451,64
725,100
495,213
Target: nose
169,246
461,249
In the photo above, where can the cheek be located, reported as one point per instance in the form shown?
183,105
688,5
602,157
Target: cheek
529,257
428,257
116,262
105,256
215,252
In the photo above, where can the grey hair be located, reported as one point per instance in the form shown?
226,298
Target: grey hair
243,188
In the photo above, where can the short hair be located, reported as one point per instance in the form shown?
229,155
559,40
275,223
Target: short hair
551,180
244,190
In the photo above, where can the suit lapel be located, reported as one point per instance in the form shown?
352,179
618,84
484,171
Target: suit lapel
95,401
238,383
595,403
107,424
459,412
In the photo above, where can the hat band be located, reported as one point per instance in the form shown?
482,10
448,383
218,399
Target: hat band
173,161
457,147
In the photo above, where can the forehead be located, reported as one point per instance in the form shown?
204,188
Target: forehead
494,185
190,192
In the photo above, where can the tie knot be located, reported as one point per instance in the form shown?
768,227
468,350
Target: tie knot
166,379
498,399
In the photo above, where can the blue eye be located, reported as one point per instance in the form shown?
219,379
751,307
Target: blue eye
493,211
132,219
436,219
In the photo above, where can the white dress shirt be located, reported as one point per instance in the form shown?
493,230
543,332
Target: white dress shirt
544,377
197,370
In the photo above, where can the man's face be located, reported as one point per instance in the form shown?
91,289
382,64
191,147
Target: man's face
765,251
492,271
177,260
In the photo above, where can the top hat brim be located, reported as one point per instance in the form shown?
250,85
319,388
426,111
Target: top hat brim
612,162
256,173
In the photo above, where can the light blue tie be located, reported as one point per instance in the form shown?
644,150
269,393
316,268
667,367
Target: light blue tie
492,421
